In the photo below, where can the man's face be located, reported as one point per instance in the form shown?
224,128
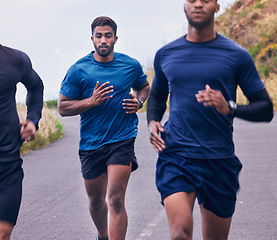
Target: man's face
200,13
103,40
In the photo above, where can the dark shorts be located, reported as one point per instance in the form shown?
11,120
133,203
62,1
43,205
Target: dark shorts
11,176
95,162
215,181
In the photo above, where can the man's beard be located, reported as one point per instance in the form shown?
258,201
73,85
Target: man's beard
200,25
108,51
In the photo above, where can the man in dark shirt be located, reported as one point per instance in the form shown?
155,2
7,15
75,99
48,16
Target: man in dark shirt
15,67
200,72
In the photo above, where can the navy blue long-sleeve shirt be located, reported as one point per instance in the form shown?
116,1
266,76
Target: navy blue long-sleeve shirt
15,67
182,68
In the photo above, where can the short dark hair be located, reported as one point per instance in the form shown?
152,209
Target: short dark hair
103,21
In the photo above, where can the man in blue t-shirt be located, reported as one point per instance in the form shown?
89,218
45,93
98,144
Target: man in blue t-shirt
98,88
200,72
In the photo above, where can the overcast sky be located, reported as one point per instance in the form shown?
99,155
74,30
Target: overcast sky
56,33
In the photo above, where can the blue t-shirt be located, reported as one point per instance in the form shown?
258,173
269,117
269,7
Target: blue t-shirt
108,122
183,68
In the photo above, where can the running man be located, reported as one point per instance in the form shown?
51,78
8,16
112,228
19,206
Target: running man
98,88
201,71
15,67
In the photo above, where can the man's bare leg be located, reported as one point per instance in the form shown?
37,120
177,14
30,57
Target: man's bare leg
214,227
5,230
118,176
96,190
179,208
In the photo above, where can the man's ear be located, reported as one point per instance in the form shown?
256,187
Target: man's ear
115,39
92,38
217,8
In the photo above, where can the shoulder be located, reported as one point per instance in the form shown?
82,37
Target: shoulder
172,46
121,58
84,60
229,44
14,54
81,63
16,58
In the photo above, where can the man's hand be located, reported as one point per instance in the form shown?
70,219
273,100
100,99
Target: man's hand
213,98
28,131
154,129
100,93
70,107
131,105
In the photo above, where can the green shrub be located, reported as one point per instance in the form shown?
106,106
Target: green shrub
53,104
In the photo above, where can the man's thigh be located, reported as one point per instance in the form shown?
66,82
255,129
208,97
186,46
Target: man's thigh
11,176
220,183
179,206
118,177
96,189
214,227
5,230
175,174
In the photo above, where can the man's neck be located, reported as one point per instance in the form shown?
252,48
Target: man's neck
99,58
200,35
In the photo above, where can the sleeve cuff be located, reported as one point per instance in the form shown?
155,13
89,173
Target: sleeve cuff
35,121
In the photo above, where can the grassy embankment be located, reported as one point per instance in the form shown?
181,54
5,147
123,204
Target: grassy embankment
253,25
50,127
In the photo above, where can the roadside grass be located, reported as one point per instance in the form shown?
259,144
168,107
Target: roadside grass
50,128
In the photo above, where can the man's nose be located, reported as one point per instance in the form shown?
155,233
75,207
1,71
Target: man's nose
103,39
198,3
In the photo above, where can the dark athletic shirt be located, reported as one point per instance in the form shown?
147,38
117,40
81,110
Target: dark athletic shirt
182,68
15,67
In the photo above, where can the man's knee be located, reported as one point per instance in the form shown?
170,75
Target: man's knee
181,233
116,202
96,203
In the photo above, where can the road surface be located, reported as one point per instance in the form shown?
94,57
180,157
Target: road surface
55,205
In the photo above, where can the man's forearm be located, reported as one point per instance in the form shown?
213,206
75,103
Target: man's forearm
143,92
34,102
156,105
73,107
260,108
261,111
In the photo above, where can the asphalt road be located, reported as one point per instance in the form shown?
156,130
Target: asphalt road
55,205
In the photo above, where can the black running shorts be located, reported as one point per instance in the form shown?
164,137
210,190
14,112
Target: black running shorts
95,162
11,176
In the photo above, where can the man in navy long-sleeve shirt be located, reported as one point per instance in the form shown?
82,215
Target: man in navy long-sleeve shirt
15,67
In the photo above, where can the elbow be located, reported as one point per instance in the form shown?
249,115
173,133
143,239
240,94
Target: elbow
62,113
268,118
61,110
269,114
